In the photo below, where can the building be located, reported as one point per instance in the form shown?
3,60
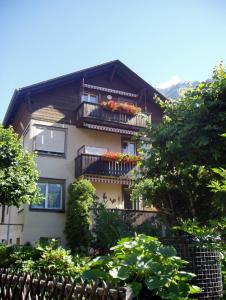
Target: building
71,125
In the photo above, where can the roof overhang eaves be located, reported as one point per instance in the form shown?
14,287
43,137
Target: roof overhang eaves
10,107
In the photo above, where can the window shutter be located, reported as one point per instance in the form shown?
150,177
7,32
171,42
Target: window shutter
50,140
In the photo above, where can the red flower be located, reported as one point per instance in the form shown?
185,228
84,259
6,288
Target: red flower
116,156
121,106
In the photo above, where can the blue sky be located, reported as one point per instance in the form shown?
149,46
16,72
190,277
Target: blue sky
159,40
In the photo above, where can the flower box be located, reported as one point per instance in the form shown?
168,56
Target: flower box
120,157
125,107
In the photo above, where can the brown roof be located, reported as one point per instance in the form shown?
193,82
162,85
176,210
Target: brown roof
19,93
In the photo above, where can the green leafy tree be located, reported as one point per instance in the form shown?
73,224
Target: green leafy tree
185,147
81,195
18,173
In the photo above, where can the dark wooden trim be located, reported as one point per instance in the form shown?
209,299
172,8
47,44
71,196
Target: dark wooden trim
29,105
52,180
114,69
46,210
88,164
95,114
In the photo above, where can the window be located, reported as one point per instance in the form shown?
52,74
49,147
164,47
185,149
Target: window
87,97
50,140
52,191
129,147
92,150
18,241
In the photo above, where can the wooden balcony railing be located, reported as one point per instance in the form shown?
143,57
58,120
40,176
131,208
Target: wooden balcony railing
87,164
96,114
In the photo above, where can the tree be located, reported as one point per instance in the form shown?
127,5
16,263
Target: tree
18,173
185,148
81,195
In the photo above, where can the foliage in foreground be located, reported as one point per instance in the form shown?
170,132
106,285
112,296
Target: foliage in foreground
186,146
146,266
211,235
110,226
141,263
81,195
18,173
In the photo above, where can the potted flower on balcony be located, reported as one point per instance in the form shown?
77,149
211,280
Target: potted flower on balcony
125,107
120,157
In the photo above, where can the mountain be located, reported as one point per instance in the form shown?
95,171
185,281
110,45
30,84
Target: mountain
174,90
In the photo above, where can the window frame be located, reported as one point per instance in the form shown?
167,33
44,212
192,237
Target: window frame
81,150
129,141
52,181
89,94
50,153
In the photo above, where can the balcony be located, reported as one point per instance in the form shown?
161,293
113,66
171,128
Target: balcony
94,165
94,116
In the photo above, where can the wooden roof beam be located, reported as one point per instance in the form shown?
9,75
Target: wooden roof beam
113,72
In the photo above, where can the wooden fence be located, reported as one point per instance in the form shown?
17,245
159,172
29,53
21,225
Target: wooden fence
36,287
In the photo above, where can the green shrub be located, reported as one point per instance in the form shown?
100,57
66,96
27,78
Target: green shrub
21,255
81,196
5,256
49,258
13,256
144,264
109,226
149,227
53,261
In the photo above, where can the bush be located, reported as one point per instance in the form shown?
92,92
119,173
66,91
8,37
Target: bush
145,265
5,256
81,195
53,260
109,226
14,257
149,228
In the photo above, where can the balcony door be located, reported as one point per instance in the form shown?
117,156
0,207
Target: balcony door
126,198
129,147
128,204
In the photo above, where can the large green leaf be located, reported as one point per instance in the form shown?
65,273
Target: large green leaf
156,282
93,274
136,288
120,273
168,251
